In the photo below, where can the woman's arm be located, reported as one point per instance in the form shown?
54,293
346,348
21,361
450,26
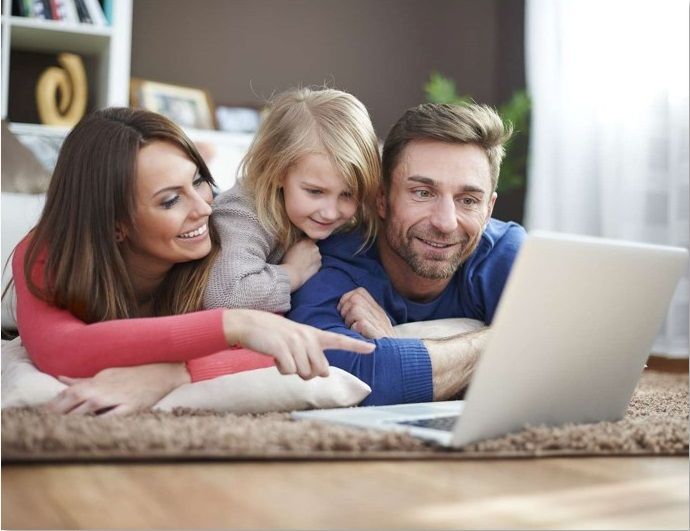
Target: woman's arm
120,390
61,344
228,361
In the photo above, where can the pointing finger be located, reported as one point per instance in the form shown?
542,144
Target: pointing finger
331,340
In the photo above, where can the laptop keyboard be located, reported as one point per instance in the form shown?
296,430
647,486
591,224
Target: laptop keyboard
435,423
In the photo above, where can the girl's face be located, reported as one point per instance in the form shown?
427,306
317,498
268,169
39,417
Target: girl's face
317,200
172,211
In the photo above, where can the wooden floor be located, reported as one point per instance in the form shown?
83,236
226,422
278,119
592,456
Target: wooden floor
564,493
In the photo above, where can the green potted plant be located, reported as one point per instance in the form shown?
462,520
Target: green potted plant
440,89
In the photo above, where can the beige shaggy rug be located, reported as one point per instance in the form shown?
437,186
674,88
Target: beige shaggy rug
656,423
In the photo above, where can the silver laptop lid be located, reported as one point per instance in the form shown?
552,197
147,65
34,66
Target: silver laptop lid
572,332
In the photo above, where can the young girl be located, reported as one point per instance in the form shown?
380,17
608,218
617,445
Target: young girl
312,169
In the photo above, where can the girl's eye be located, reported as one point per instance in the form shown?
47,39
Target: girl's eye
198,181
313,191
170,202
346,195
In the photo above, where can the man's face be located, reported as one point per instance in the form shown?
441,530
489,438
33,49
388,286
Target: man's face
439,200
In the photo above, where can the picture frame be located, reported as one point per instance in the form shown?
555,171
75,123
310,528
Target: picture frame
186,106
239,117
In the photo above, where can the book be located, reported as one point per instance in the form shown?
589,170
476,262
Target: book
82,12
68,11
18,8
28,8
52,9
96,13
108,11
38,10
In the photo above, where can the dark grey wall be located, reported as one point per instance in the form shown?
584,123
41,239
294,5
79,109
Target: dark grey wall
380,50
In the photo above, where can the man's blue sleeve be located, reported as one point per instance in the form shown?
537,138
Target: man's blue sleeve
492,273
398,371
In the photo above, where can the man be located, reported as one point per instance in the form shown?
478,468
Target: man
438,254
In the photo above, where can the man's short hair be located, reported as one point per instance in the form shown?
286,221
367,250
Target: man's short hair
455,124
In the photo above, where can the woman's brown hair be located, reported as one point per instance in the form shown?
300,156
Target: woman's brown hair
91,192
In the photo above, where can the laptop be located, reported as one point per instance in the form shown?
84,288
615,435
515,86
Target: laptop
571,335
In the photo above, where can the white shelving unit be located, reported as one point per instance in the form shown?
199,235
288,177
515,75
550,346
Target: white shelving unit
110,45
229,148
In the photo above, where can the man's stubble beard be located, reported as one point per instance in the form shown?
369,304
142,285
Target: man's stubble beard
429,268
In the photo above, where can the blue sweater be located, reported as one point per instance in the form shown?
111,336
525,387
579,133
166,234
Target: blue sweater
399,370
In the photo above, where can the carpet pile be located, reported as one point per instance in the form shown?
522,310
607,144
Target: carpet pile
656,423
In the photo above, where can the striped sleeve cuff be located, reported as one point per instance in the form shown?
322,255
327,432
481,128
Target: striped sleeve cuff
415,368
230,361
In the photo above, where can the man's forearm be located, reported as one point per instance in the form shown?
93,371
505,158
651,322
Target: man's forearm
453,361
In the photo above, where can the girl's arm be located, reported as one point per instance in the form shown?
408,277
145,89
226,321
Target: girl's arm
302,260
243,275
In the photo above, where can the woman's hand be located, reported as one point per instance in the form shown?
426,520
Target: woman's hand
119,390
301,262
363,314
297,348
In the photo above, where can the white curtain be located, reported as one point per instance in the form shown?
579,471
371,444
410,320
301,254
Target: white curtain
609,136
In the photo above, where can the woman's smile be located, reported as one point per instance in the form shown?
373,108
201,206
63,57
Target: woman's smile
196,234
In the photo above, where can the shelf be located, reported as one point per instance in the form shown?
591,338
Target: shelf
107,49
19,128
202,135
228,148
214,135
48,35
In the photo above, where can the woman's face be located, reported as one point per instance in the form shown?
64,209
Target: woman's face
172,211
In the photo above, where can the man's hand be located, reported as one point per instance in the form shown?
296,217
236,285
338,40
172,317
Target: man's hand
363,315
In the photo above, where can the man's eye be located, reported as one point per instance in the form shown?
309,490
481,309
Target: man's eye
469,201
170,202
422,194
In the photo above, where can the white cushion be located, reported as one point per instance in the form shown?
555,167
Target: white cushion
257,391
22,383
264,390
437,328
20,213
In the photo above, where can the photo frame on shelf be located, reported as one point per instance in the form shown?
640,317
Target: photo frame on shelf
186,106
239,118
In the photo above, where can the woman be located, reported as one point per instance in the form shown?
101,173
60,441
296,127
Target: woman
114,273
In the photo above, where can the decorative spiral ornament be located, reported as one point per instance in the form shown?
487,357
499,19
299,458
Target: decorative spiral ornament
61,93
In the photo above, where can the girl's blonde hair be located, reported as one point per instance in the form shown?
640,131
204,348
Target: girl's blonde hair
301,121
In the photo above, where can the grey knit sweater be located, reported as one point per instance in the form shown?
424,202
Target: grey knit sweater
246,273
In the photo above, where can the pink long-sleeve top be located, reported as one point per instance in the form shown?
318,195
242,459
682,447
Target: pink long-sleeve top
61,344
